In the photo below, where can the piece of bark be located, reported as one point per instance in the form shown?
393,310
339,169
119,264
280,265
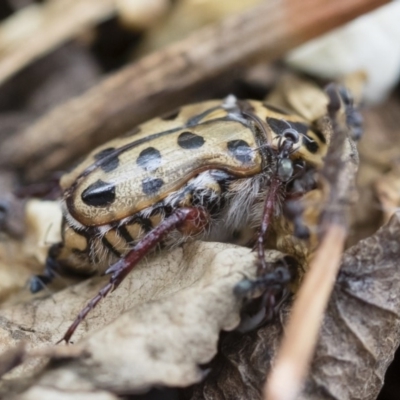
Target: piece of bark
12,122
185,17
359,334
170,77
65,73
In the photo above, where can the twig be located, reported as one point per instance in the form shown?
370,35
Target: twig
37,29
13,357
298,345
295,354
170,77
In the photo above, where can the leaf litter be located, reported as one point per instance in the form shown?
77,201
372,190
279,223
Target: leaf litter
360,333
156,329
164,322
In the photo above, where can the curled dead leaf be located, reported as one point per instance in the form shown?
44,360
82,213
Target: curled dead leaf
358,339
388,191
156,329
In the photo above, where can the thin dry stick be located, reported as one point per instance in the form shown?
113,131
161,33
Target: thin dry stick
170,77
37,29
298,345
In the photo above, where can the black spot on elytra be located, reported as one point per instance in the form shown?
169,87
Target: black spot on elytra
104,153
278,125
240,150
300,127
310,144
281,125
171,115
275,109
149,159
151,186
107,162
99,194
188,140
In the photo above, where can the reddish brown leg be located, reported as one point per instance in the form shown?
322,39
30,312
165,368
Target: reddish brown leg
269,206
179,219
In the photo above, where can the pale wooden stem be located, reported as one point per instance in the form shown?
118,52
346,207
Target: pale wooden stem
298,345
38,29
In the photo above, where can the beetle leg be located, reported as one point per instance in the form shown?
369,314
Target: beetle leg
271,200
179,219
264,295
38,282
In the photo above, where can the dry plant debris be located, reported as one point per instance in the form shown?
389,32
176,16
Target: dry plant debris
38,29
142,14
359,335
388,192
163,325
170,312
188,15
169,78
303,326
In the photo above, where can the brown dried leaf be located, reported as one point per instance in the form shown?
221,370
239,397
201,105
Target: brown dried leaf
379,151
381,142
69,387
14,268
361,329
360,333
301,96
38,222
177,302
388,191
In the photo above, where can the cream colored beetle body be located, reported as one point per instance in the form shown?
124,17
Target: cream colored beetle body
204,171
219,156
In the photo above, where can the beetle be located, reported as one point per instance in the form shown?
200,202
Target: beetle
203,171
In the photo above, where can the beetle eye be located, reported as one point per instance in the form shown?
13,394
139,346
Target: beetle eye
291,134
99,194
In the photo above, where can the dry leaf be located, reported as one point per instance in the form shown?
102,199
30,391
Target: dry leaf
300,96
388,191
360,333
173,308
379,150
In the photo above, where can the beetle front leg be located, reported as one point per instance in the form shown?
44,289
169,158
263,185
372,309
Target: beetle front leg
184,219
264,295
39,282
269,206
